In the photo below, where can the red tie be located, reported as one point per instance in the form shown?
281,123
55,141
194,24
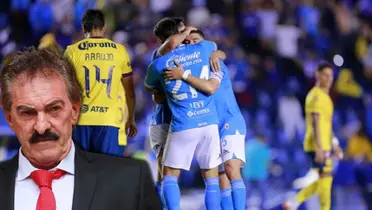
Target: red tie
43,179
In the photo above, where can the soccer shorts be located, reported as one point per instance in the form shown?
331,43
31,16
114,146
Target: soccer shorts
98,139
123,141
181,146
158,136
325,167
232,132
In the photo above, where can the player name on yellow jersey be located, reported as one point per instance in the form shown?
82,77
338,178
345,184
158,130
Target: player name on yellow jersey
318,102
99,56
99,64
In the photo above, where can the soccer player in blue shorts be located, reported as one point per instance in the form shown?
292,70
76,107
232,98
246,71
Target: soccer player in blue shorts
161,116
193,128
232,129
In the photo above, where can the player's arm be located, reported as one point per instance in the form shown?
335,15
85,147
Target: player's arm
205,86
314,109
158,96
174,40
130,96
316,129
152,80
219,54
336,147
319,153
215,58
127,82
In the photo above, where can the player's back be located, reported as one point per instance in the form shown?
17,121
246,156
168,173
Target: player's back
226,104
190,108
161,113
318,102
224,96
99,63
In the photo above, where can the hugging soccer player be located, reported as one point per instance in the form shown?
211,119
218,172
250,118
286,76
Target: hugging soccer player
232,128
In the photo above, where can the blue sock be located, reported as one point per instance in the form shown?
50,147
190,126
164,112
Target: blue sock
226,199
172,192
212,194
238,194
159,191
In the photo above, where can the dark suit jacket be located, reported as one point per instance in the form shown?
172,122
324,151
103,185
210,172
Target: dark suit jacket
101,183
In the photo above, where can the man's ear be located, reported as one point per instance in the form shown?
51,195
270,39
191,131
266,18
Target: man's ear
104,29
82,28
75,112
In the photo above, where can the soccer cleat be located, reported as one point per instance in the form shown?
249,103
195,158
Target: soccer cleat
307,180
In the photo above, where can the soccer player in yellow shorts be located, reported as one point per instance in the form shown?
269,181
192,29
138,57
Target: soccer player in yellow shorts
318,143
103,70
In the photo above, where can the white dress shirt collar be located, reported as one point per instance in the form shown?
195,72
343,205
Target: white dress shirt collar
25,168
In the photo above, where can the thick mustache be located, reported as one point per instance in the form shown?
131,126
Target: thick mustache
47,135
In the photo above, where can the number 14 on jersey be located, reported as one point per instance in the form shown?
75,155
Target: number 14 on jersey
98,79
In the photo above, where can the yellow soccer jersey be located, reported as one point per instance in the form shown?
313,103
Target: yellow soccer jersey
99,64
318,101
122,114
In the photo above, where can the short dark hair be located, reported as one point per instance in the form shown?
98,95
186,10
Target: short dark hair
198,32
93,19
165,28
323,65
32,62
178,20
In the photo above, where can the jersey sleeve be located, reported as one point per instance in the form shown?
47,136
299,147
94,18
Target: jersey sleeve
126,69
155,55
220,74
152,79
314,104
209,46
216,75
68,53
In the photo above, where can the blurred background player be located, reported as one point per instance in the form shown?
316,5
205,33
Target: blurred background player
256,170
102,66
232,127
49,41
193,129
319,140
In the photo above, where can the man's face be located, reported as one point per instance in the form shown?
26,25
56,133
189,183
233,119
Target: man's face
193,38
42,116
325,78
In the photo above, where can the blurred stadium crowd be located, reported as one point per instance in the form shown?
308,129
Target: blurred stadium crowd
272,47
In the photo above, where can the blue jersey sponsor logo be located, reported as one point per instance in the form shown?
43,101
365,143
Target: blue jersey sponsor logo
190,108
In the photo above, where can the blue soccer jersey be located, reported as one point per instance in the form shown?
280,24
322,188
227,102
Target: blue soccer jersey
161,113
231,120
190,108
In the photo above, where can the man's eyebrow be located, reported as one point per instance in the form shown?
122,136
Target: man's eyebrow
30,108
55,102
24,108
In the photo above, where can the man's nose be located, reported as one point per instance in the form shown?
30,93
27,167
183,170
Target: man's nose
42,124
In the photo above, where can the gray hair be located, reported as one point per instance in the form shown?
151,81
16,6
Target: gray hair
32,62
